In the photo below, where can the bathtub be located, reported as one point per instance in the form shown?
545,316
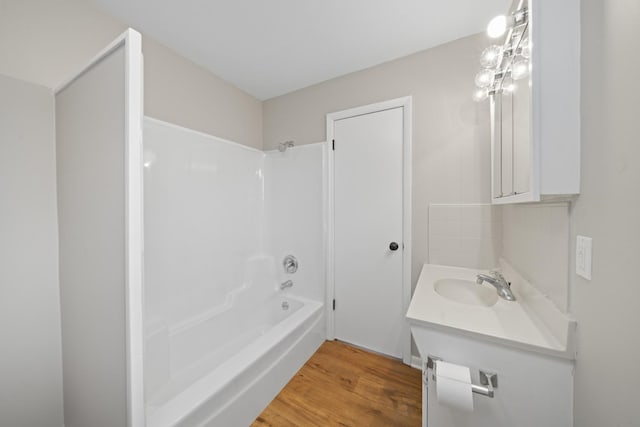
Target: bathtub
224,368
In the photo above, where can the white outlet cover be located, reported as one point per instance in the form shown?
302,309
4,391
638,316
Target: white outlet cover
583,256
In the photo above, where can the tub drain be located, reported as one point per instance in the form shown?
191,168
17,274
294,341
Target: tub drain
285,305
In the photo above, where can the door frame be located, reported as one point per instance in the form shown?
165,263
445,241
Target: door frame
131,41
406,104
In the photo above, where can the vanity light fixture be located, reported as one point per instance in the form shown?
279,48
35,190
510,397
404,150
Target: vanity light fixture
490,56
499,25
509,59
484,78
500,74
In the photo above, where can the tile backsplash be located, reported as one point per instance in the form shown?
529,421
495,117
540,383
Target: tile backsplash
465,235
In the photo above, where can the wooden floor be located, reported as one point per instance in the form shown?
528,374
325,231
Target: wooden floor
345,386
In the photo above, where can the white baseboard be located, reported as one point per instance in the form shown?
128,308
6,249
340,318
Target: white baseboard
416,362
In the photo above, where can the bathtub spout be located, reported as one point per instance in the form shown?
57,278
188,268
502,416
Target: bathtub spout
287,284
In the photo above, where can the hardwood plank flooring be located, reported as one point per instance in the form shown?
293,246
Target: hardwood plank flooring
346,386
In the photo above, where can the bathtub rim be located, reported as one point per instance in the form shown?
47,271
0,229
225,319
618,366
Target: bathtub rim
197,395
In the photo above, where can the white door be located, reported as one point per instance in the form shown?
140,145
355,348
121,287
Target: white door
368,247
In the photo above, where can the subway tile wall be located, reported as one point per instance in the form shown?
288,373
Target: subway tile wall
468,235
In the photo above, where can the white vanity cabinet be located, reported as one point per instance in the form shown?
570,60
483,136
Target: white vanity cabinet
535,120
533,390
528,344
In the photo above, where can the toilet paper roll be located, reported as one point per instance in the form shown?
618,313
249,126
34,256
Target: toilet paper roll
453,386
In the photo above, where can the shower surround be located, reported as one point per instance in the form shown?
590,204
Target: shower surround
221,337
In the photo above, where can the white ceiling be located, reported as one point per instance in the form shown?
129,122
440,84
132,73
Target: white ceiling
272,47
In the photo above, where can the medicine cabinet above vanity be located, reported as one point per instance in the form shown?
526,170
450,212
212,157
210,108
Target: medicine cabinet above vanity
530,79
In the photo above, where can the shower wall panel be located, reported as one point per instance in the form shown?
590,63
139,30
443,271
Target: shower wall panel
203,220
294,215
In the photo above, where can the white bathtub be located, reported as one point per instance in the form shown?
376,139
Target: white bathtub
222,369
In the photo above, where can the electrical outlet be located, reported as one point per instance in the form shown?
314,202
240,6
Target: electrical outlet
583,256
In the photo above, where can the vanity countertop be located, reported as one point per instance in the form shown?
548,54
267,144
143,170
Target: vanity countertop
530,323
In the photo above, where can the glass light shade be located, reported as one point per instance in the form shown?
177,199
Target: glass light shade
484,78
497,26
520,69
480,94
490,56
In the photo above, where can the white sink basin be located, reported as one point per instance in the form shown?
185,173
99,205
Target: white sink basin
466,292
448,300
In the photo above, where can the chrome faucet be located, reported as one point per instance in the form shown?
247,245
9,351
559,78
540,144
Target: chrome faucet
497,281
290,264
285,285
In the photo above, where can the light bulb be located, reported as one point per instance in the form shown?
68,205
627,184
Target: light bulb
497,27
484,78
490,56
520,69
480,94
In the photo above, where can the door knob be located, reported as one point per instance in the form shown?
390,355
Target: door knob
393,246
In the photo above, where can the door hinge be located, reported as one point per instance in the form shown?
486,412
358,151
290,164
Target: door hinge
334,305
333,145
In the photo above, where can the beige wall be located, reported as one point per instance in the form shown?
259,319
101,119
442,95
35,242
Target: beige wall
536,241
30,353
608,210
450,132
45,42
181,92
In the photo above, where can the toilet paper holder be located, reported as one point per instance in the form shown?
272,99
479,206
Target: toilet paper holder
488,380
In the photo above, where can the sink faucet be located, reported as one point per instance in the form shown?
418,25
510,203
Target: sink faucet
287,284
497,280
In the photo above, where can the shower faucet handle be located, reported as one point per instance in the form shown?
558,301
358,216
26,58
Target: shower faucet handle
290,264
